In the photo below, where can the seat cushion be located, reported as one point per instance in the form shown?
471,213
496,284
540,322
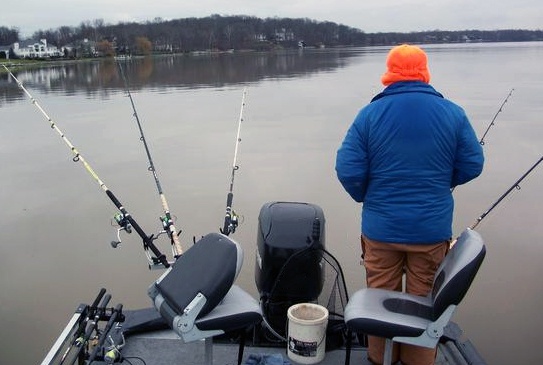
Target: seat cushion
457,271
386,313
209,267
237,310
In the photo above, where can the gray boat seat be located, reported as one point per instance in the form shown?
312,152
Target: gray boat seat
417,320
196,295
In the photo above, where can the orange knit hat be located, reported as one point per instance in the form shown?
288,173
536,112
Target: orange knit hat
406,63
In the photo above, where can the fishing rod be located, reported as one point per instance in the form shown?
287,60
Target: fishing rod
80,344
124,219
231,218
167,221
516,185
116,314
482,140
78,334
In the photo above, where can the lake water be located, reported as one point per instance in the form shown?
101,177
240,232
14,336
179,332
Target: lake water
55,221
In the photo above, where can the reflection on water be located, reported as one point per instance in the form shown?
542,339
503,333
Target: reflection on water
55,221
178,71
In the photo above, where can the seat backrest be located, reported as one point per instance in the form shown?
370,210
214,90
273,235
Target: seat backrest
457,271
209,267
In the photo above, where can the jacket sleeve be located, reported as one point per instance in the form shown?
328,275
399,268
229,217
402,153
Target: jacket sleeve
352,163
469,157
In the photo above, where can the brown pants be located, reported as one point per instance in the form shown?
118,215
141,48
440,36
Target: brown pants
385,265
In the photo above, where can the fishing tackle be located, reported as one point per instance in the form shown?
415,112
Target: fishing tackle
167,221
231,218
482,140
159,259
516,185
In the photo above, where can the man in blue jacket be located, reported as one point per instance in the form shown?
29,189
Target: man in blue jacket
401,157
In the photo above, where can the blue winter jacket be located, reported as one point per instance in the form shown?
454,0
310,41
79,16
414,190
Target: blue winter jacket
401,157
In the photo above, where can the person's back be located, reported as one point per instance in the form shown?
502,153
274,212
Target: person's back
413,135
401,157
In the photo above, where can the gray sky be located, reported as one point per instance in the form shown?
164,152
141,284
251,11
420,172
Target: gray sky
367,15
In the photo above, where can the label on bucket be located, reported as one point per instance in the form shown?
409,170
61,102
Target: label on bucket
302,348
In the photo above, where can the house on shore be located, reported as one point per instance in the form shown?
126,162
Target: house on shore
35,49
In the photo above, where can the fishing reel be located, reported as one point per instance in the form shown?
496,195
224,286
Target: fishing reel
112,353
124,225
166,221
168,226
234,221
231,222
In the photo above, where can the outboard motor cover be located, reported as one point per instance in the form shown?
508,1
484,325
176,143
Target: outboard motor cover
287,271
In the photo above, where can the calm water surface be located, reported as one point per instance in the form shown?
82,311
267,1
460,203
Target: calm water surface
55,221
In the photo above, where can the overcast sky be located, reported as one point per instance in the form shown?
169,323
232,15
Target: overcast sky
368,15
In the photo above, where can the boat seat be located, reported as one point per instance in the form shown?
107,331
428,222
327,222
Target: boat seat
411,319
196,295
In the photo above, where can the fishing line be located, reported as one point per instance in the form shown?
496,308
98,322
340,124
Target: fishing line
231,218
482,140
125,220
167,221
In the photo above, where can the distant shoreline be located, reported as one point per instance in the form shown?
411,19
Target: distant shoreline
24,64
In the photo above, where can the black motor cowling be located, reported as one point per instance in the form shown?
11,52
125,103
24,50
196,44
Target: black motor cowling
288,266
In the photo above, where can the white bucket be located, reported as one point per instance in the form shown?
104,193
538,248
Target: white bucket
307,333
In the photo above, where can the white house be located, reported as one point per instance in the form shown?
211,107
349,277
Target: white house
33,49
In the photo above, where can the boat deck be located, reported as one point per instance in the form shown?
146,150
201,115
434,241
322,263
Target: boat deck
165,348
142,337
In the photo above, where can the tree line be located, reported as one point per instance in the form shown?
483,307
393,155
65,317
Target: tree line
247,32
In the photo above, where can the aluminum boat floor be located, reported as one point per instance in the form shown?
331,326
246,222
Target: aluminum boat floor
165,348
